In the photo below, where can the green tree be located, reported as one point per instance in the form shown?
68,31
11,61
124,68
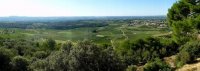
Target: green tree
183,18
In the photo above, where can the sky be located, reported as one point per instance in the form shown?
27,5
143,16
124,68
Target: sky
84,7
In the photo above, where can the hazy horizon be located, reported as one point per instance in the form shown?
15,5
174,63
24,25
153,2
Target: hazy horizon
90,16
73,8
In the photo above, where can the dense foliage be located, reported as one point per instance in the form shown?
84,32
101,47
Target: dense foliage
183,18
83,56
144,50
189,52
80,56
157,65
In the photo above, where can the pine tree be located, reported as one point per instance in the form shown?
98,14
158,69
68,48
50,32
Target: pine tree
183,18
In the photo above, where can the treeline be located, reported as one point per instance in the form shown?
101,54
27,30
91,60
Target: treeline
53,25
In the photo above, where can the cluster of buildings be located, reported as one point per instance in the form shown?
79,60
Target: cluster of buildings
153,23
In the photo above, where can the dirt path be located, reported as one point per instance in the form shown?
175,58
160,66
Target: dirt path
164,34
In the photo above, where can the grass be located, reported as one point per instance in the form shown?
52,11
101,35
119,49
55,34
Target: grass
103,36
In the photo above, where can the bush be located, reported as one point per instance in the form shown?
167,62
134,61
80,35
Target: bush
182,58
189,52
5,59
41,54
49,44
157,65
144,50
131,68
67,46
57,61
20,63
89,57
39,65
84,56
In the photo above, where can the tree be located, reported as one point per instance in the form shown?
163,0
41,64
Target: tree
183,19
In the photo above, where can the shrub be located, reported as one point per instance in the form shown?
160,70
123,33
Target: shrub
67,46
188,52
49,44
131,68
86,56
20,63
39,65
143,50
5,59
157,65
41,54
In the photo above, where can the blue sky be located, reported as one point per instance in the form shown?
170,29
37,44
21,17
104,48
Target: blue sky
84,7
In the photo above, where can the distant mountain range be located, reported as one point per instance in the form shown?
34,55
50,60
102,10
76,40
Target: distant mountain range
23,18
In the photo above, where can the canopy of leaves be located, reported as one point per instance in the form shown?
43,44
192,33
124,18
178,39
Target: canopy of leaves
183,18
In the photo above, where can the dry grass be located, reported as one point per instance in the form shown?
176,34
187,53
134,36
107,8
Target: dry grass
171,60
